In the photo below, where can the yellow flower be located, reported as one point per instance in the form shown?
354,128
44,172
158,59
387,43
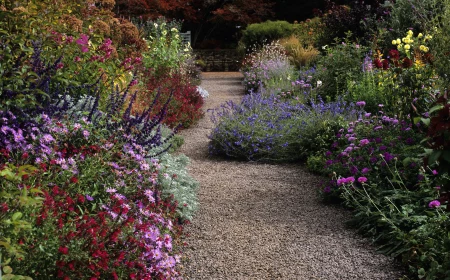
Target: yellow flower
394,42
407,47
399,47
404,40
399,42
420,35
410,33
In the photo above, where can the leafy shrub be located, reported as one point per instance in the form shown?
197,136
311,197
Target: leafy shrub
298,54
267,128
178,185
339,64
269,68
257,34
309,31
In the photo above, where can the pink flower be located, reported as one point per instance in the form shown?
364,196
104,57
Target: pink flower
434,172
434,204
362,179
361,103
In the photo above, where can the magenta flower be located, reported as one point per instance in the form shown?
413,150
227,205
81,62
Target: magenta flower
434,204
362,179
83,42
341,181
361,103
349,180
434,172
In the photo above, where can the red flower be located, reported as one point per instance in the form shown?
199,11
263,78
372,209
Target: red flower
74,180
81,198
378,64
407,62
385,64
25,155
63,250
394,54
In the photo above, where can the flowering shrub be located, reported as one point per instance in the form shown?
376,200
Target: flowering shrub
107,211
339,64
183,100
270,129
166,52
411,75
116,225
268,68
373,166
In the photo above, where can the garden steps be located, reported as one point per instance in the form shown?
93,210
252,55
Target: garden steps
265,221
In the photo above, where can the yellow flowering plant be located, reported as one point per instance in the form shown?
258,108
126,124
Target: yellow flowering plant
410,44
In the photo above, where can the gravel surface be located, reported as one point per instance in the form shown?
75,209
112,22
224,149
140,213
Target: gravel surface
263,221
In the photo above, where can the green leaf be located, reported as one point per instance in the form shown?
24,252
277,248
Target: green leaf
16,216
435,108
7,269
421,273
434,156
425,121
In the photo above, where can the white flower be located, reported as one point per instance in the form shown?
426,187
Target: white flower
319,83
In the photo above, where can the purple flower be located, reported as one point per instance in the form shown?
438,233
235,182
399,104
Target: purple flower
361,103
434,204
351,138
90,198
86,134
434,172
365,170
341,181
349,180
364,142
47,138
377,128
367,115
362,179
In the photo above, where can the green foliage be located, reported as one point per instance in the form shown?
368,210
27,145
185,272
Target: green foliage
257,34
17,208
416,15
178,184
340,63
166,52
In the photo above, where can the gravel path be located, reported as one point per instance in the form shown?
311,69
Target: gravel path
263,221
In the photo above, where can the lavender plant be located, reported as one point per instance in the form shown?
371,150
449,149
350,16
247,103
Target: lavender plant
268,128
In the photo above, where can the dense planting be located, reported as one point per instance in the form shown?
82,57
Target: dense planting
386,157
88,189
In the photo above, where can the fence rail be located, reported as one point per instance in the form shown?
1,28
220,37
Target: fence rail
227,60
